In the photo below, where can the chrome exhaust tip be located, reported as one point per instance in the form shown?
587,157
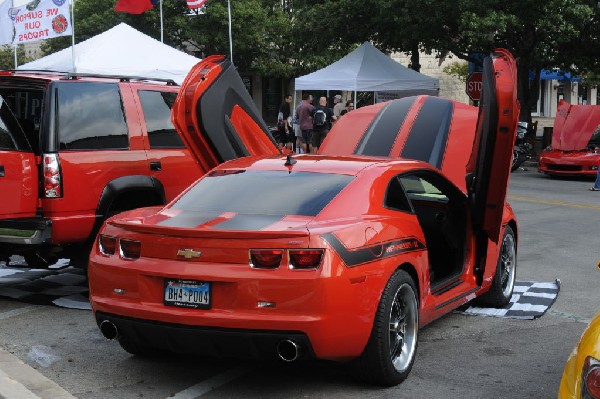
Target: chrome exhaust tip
288,350
109,330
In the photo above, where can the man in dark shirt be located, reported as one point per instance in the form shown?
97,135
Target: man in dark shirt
322,117
304,112
284,123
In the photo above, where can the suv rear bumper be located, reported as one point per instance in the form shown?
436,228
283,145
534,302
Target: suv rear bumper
26,231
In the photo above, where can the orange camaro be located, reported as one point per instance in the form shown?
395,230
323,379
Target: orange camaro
341,255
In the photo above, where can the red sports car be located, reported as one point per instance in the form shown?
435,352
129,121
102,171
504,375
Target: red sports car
341,255
575,148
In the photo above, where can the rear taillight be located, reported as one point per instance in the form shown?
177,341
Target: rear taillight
107,244
52,177
305,258
590,376
265,258
129,249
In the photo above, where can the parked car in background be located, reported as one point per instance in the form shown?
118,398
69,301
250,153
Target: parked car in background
340,257
76,149
575,148
581,377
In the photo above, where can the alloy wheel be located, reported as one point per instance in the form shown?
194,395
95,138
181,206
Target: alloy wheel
403,327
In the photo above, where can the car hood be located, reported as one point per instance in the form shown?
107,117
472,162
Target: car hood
574,126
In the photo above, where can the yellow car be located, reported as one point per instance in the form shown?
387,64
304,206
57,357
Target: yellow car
581,378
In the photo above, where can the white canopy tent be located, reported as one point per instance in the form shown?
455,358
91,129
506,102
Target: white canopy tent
368,69
121,50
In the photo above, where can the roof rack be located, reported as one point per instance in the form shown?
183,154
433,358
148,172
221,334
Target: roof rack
75,75
122,78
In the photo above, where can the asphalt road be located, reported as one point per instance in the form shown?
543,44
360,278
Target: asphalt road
459,356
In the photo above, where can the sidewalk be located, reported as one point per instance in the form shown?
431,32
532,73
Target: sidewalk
20,381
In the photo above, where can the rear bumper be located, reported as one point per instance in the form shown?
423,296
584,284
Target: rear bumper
216,342
25,231
323,308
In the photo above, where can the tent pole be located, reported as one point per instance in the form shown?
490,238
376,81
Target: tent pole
355,103
162,39
73,35
230,38
15,48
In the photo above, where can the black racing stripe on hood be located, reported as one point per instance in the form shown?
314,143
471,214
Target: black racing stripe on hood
188,219
429,134
382,132
248,222
369,254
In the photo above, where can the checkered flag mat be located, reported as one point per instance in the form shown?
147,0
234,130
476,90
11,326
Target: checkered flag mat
45,286
530,300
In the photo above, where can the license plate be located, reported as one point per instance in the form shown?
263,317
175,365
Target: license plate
187,293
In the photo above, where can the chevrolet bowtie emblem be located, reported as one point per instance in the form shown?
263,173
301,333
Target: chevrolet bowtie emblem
189,253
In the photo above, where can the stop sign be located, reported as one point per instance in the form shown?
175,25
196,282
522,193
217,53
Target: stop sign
474,83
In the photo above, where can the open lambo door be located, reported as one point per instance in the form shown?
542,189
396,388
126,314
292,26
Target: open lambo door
216,117
488,168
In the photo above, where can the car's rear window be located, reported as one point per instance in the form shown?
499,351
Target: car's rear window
263,192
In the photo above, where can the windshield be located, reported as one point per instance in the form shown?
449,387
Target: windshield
263,192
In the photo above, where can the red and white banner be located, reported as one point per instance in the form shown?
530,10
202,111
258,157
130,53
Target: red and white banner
41,19
192,4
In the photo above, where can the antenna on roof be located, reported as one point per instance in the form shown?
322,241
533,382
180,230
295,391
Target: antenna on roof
289,160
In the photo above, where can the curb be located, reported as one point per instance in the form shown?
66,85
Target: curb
20,381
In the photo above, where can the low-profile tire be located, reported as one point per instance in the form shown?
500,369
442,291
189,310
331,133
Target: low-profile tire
137,348
506,269
390,352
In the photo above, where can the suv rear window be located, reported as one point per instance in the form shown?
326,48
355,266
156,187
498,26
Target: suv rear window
263,192
11,136
27,105
91,117
157,113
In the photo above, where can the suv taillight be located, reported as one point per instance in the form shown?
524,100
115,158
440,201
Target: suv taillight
52,176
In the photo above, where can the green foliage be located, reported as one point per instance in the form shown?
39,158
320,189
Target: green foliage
458,69
287,38
7,56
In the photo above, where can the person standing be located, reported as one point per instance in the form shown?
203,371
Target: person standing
338,106
304,112
349,107
284,126
322,116
596,186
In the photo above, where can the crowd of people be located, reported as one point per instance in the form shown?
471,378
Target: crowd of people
304,130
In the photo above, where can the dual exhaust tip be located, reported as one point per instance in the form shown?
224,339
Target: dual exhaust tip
287,350
109,330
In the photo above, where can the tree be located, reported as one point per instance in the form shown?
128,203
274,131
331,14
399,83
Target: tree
7,56
540,34
94,17
274,38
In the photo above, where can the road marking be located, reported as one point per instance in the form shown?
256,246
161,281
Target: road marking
211,384
17,312
570,316
552,202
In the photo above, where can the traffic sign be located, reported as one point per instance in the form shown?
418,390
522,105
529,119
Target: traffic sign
474,83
